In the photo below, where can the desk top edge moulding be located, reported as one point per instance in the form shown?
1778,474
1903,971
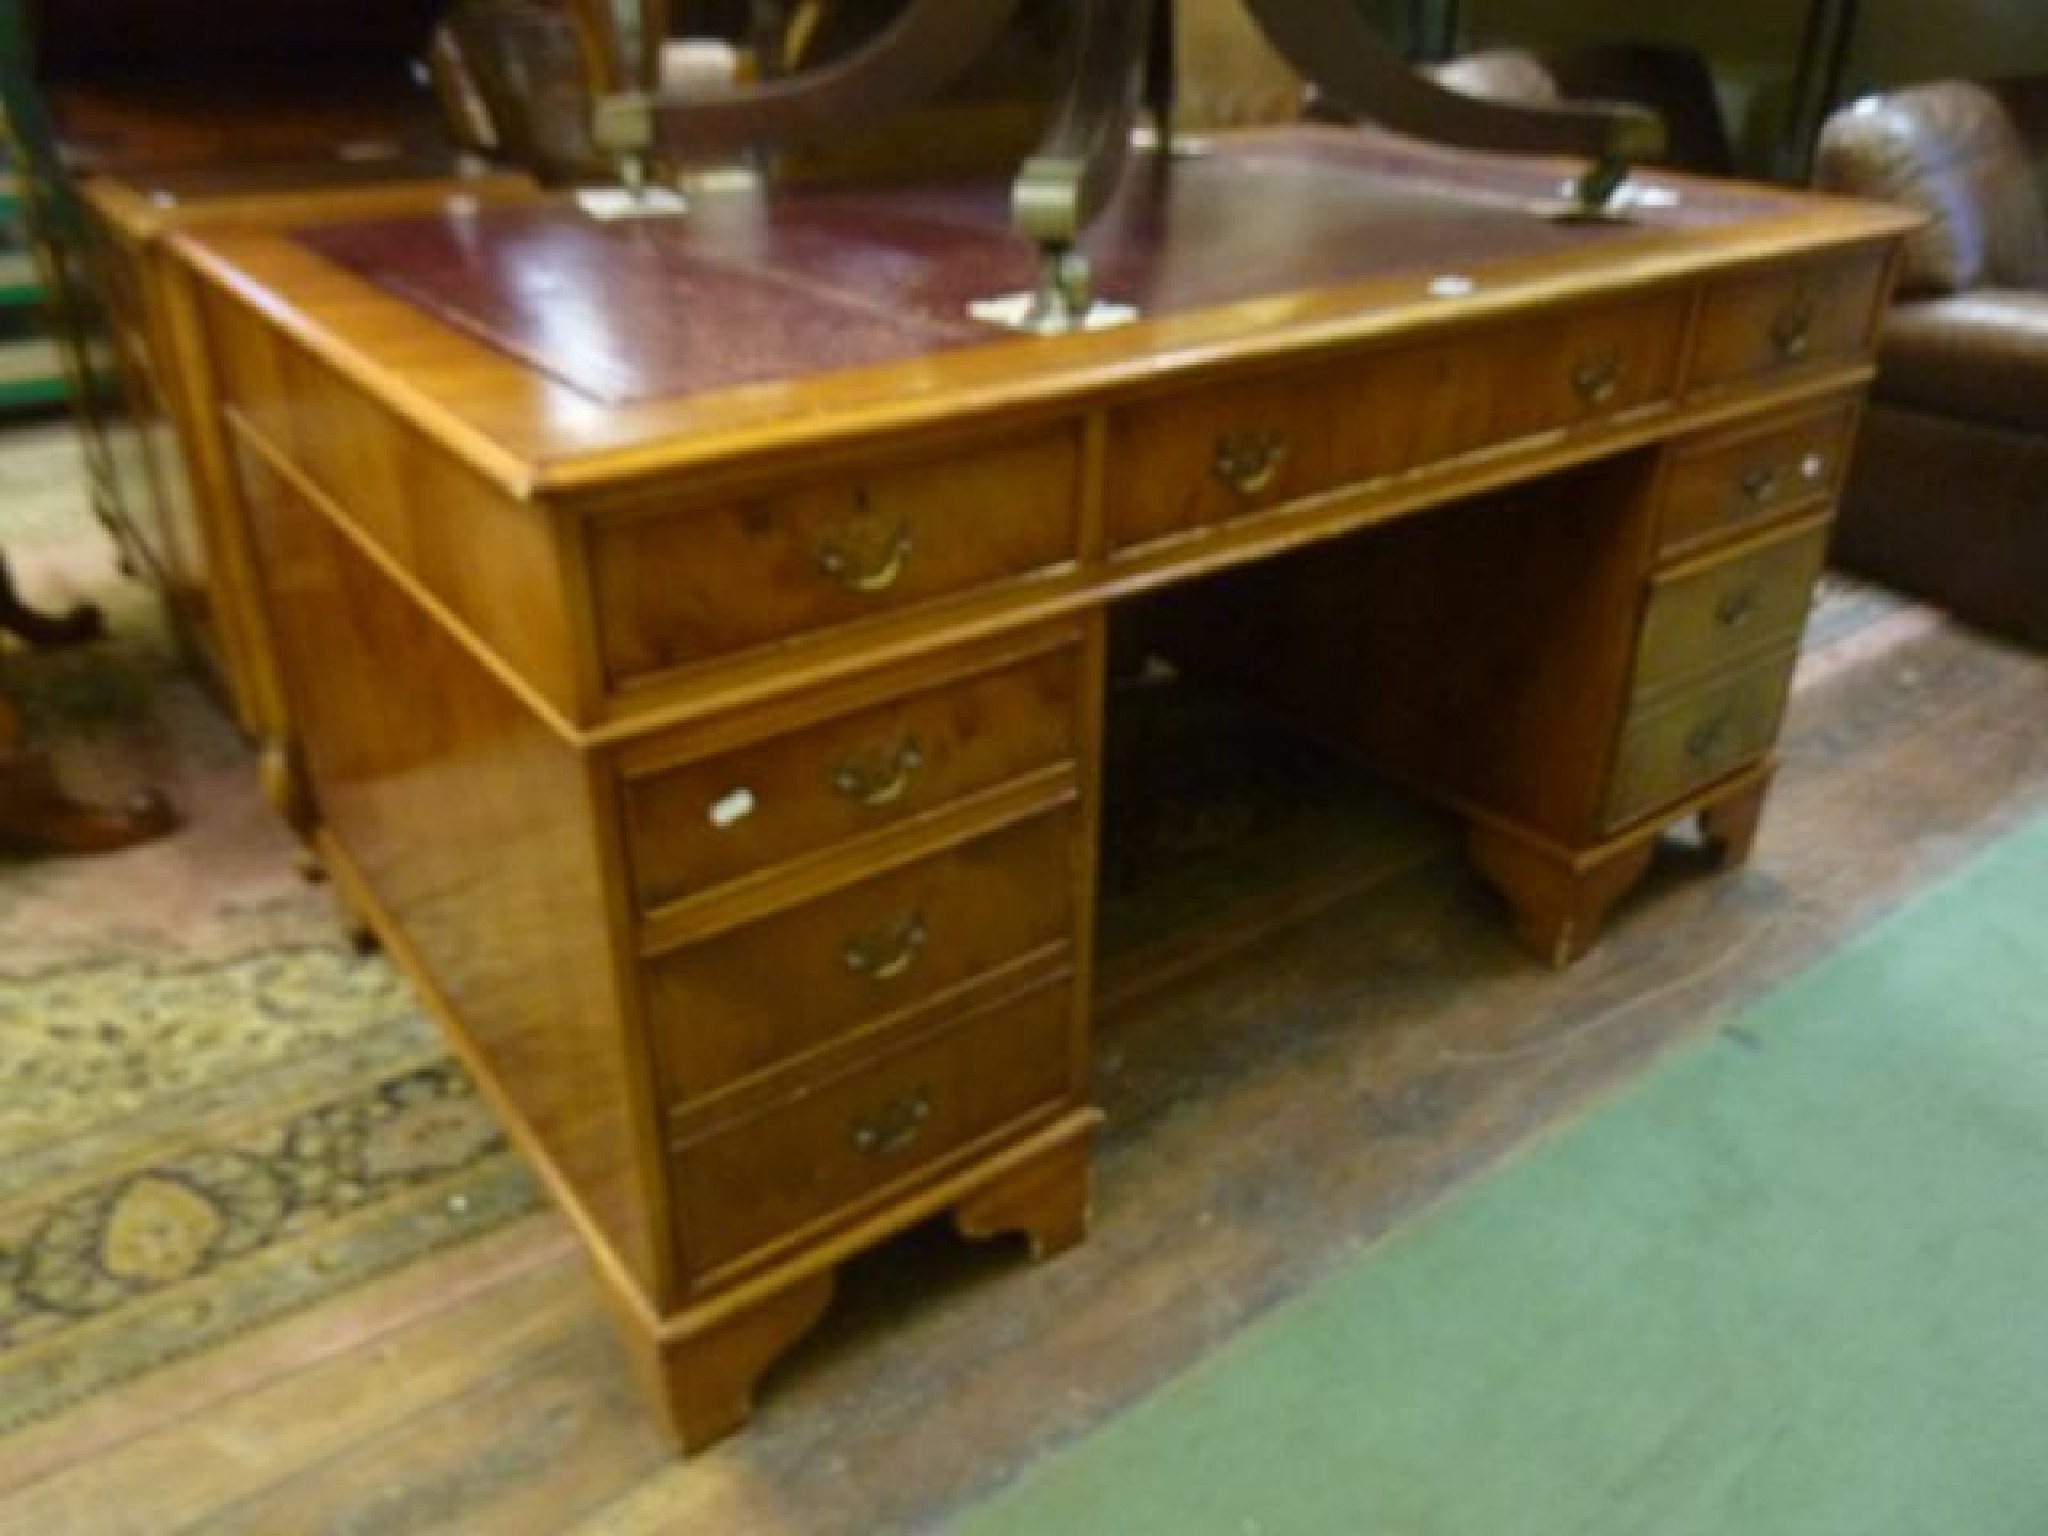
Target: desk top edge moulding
736,803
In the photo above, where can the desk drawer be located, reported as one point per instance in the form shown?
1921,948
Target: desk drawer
1208,456
1728,484
853,1138
1703,617
677,590
1687,742
725,1008
695,825
1787,318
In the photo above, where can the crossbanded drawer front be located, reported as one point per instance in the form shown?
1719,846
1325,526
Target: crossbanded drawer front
854,1137
682,589
699,824
1687,742
729,1007
1732,484
1204,457
1707,617
1787,318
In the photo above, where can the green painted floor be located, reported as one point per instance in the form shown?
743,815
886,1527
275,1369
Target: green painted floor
1796,1284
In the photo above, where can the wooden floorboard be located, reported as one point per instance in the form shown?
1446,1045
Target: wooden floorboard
95,1434
1275,1103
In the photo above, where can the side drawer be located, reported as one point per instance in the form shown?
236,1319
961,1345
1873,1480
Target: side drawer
726,1008
1703,617
1188,461
847,1141
1786,318
693,825
675,590
1686,743
1728,484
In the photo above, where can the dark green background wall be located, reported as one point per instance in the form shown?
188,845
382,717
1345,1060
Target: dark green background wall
1754,44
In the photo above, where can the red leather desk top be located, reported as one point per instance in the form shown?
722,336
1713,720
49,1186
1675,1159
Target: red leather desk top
749,290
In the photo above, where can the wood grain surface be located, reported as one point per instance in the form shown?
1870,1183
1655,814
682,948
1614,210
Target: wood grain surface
1296,1094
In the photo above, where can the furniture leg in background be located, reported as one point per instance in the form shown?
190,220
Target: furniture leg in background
36,814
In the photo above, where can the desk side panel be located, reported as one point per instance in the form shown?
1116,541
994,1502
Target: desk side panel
471,828
492,562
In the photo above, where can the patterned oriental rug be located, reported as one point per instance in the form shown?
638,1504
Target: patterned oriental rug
215,1113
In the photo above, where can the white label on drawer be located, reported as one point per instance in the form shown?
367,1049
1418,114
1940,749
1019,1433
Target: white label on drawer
731,808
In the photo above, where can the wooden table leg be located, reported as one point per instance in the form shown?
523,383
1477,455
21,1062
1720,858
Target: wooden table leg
702,1375
1047,1200
701,1368
1729,824
1559,898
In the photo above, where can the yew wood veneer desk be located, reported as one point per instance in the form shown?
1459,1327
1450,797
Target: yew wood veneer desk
695,628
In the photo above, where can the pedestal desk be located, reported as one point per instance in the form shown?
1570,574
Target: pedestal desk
695,629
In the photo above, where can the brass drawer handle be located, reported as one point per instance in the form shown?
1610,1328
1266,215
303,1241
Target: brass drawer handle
863,554
1736,608
894,1126
1707,739
1250,462
880,778
885,953
1598,375
1792,328
1761,482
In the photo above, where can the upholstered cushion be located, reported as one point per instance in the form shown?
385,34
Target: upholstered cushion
1980,356
1948,149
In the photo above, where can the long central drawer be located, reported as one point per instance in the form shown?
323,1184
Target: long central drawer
1187,461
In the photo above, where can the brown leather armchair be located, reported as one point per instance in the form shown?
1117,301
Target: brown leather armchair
1948,494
